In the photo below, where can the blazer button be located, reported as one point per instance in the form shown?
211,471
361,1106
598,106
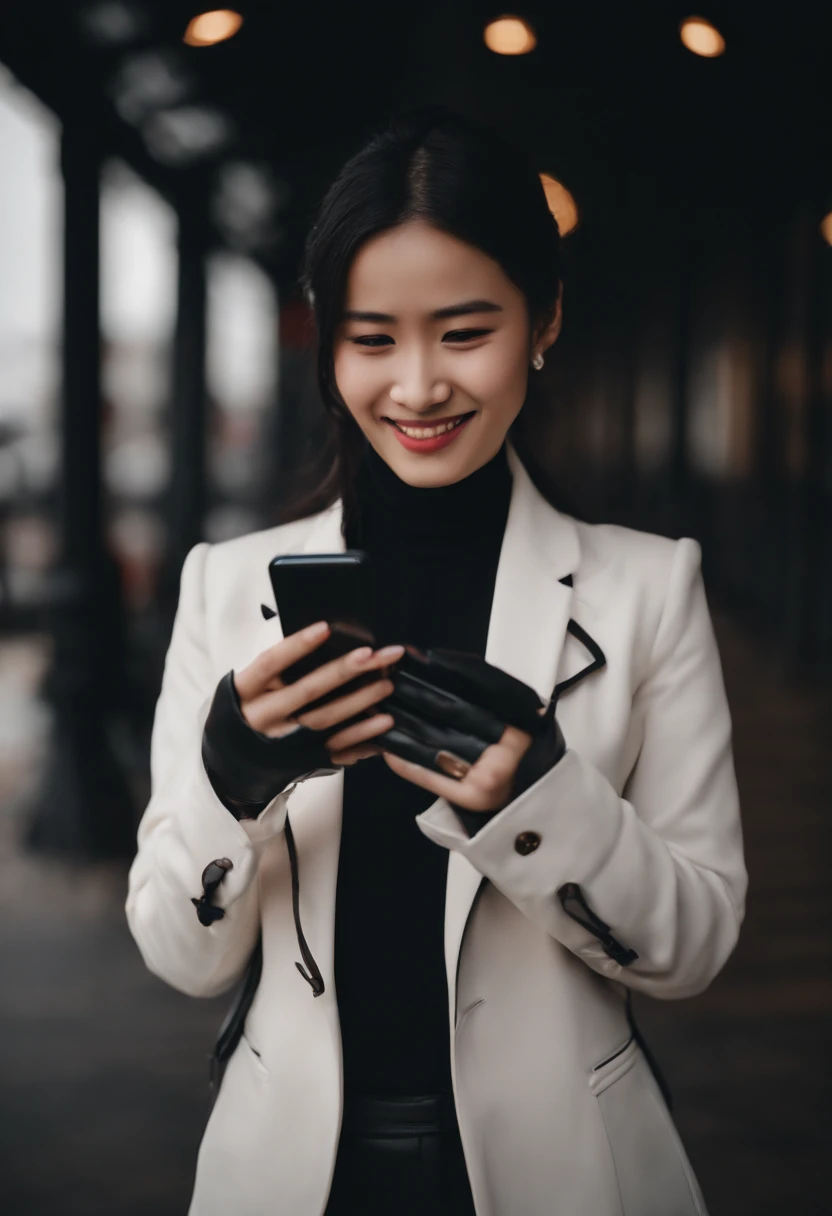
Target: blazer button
527,842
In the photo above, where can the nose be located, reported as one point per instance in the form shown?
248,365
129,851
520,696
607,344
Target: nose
416,387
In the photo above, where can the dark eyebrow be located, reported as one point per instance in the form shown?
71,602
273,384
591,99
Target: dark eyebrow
453,310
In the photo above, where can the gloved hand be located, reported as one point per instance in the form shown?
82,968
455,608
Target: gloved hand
449,706
246,768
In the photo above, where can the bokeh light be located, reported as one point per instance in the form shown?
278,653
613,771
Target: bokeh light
702,38
561,203
826,228
510,36
215,26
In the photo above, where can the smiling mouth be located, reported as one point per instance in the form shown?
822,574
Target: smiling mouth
429,430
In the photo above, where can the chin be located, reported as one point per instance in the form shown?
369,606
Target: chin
429,472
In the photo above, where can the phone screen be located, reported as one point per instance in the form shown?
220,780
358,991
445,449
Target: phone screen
333,587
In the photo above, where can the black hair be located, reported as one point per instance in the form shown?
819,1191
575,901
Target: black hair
456,174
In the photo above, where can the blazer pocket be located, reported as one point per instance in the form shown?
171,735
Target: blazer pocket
654,1175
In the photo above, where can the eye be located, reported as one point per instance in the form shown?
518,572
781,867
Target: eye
372,340
467,335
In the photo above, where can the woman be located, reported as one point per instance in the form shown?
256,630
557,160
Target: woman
482,931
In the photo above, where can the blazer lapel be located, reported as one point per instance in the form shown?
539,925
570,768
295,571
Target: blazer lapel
526,634
531,606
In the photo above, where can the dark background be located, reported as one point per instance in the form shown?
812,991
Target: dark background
689,394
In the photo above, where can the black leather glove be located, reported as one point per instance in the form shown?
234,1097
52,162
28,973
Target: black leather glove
449,705
247,768
547,748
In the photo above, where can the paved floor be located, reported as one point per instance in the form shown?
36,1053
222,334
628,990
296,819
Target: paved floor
104,1085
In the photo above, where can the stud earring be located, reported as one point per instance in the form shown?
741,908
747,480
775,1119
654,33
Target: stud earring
537,361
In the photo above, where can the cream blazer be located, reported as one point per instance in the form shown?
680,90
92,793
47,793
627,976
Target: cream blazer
558,1109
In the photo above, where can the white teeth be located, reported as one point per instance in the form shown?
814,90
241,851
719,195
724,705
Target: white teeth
424,432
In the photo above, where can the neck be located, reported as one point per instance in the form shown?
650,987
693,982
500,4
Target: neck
471,511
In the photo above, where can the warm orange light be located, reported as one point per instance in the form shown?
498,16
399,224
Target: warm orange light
510,36
561,203
702,38
826,228
216,26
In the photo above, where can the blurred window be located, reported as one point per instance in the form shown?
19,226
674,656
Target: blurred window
242,368
31,195
138,313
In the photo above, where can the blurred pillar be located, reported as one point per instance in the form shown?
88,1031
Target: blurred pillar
810,538
769,286
618,480
303,427
85,808
794,393
296,431
821,440
677,499
186,499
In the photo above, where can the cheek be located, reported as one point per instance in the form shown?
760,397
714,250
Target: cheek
496,374
359,381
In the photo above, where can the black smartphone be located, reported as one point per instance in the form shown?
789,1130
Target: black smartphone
332,587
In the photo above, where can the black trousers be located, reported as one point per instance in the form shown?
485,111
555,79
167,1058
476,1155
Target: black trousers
400,1156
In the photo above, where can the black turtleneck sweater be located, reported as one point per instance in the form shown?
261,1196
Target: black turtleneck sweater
434,554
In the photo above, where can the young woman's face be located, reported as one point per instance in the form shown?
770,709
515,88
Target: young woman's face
433,332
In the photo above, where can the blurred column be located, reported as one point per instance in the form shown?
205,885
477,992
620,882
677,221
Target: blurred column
185,509
794,393
677,502
810,536
84,806
821,440
768,282
298,428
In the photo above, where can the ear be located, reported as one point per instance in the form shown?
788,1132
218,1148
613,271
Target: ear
547,331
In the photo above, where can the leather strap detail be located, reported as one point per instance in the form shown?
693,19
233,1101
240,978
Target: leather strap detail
575,906
599,659
212,876
315,979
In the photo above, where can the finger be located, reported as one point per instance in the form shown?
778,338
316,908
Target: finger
353,754
419,775
360,732
275,706
288,701
338,711
270,662
518,741
495,764
477,791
